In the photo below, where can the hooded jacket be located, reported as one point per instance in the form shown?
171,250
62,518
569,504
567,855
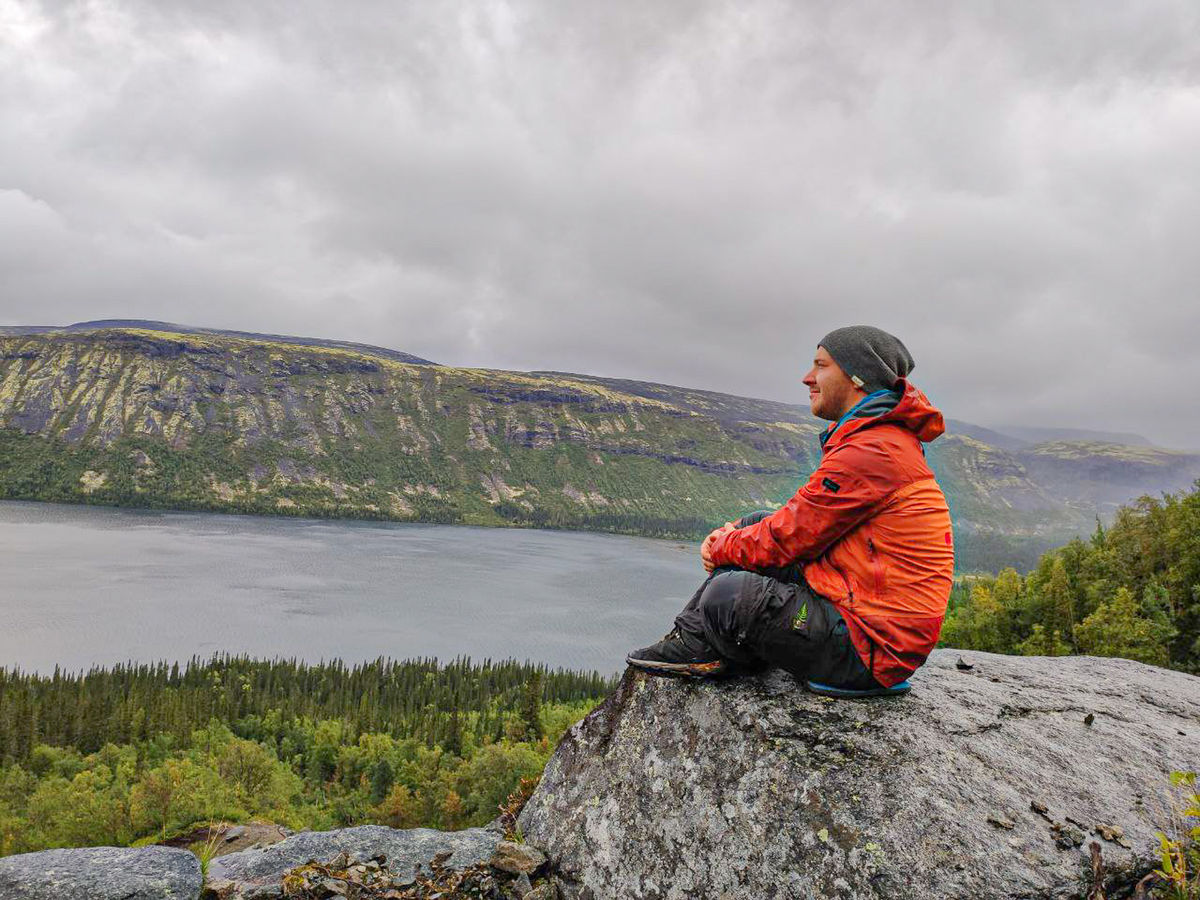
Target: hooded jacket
872,530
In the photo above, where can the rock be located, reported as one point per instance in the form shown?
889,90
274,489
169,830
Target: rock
677,789
257,873
543,892
233,838
522,886
101,873
1066,836
517,859
219,889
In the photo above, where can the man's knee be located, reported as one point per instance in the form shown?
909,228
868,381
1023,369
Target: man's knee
724,587
730,601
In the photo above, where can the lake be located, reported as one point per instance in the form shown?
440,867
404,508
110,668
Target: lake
88,586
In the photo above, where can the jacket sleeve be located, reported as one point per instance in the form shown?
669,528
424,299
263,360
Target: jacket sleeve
851,482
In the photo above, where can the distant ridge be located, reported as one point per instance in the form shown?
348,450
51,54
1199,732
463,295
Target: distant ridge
132,412
1030,434
988,435
368,349
1006,437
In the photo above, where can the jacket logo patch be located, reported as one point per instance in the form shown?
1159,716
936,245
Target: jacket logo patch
800,618
831,484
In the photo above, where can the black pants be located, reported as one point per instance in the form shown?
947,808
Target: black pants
773,618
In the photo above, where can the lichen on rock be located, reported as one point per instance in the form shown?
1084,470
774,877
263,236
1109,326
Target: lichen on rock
969,787
251,873
101,873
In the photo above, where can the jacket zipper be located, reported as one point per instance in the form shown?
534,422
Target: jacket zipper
845,581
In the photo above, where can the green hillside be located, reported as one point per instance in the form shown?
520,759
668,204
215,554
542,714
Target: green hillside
141,417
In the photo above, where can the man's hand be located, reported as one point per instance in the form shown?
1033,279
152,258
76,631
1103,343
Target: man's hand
706,547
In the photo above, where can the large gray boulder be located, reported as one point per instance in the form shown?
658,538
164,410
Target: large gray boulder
101,873
256,873
984,783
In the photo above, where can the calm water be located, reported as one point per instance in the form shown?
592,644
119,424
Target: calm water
86,585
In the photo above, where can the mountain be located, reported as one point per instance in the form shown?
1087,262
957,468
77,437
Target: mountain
172,328
1030,434
1106,474
145,414
996,439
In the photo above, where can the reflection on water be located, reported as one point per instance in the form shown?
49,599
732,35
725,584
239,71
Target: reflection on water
90,586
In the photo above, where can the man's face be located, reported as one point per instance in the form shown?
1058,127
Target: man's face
830,390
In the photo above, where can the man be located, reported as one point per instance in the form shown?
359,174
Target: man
846,585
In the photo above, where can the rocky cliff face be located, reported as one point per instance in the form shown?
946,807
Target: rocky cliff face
196,420
991,782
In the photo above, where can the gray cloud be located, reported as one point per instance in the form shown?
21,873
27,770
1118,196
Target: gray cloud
686,192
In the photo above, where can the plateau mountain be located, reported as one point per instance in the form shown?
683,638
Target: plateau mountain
136,413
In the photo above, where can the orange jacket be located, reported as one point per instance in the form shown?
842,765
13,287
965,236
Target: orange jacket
872,530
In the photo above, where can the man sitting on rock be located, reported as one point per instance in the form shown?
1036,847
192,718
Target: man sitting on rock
846,585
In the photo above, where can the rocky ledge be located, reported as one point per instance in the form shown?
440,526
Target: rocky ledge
253,874
368,861
101,873
987,781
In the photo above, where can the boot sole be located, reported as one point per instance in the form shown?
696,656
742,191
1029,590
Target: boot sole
826,690
668,668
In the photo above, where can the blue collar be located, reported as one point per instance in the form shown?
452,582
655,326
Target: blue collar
850,413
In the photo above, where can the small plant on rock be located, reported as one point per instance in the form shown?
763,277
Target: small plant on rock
1178,876
206,849
511,808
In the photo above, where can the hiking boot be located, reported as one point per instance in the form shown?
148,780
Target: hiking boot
674,656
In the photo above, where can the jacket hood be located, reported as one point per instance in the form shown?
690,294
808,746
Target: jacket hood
905,405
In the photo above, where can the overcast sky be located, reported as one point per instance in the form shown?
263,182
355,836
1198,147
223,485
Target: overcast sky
686,192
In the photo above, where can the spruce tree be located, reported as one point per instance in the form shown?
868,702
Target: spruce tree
382,778
531,708
1059,601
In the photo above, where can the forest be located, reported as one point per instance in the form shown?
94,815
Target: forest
139,753
1132,590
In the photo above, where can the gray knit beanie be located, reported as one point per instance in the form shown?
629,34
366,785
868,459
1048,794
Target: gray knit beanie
871,357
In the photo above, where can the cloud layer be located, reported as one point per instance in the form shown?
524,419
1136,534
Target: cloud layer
686,192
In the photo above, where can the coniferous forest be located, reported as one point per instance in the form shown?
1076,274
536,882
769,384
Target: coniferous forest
138,753
1132,590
